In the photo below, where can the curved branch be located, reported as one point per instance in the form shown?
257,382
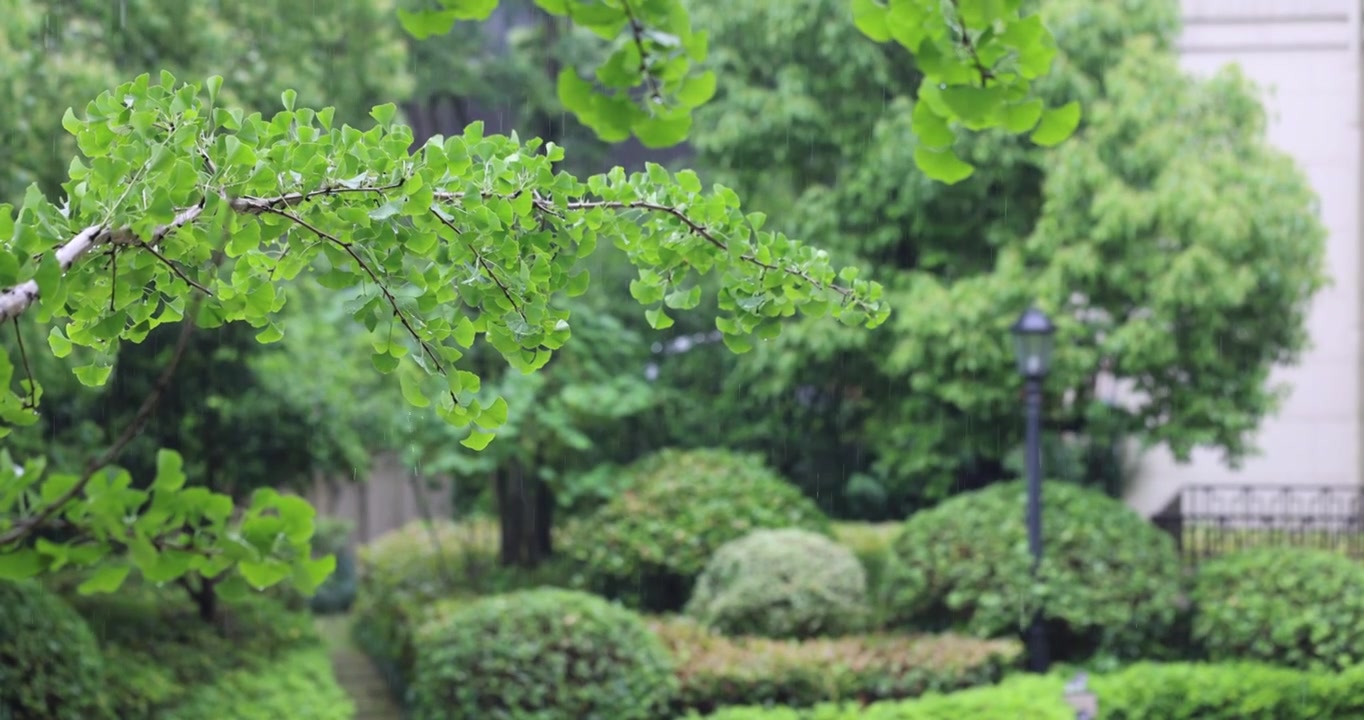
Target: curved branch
24,528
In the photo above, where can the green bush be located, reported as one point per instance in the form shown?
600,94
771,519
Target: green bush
648,544
784,584
715,671
1021,698
1109,580
165,654
544,654
298,686
50,664
1292,606
1234,691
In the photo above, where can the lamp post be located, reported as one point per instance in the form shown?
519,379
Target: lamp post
1032,348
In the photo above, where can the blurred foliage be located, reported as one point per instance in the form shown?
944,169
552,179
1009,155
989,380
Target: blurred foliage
1298,607
716,671
235,431
783,583
56,54
1174,248
1228,691
543,653
1024,697
50,663
1234,691
648,544
1109,581
299,685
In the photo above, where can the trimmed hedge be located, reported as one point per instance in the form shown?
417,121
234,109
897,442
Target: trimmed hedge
871,543
1233,691
50,664
784,584
1110,581
1020,698
539,655
716,671
1147,691
1298,607
648,544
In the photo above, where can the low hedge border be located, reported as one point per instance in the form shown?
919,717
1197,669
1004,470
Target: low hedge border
1146,691
716,671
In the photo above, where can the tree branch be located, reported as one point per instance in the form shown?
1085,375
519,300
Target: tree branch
28,370
15,300
483,263
130,431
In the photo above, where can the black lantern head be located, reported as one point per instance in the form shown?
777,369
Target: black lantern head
1033,343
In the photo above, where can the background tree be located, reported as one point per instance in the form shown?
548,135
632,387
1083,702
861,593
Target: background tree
1176,249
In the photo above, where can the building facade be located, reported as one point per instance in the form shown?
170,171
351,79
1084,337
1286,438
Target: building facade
1306,55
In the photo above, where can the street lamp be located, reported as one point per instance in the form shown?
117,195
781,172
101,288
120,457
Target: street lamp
1032,348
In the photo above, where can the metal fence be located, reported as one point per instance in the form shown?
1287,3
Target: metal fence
1209,520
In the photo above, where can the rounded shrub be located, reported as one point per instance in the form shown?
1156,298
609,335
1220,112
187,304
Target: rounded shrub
544,654
1298,607
677,508
1109,580
50,664
783,584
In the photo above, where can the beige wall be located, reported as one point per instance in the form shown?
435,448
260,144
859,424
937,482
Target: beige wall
1306,53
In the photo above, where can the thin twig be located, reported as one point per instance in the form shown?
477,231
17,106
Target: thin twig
986,75
637,32
392,300
22,529
28,370
175,269
487,267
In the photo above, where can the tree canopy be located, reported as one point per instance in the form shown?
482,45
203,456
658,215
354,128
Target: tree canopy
1176,250
186,208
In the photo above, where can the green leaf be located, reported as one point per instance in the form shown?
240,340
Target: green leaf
575,93
384,114
170,474
684,299
464,332
697,90
61,347
1057,125
477,440
20,564
49,274
1021,117
931,128
577,284
384,362
106,579
264,574
233,589
942,165
93,375
663,130
310,574
427,23
495,415
658,319
870,17
412,391
470,9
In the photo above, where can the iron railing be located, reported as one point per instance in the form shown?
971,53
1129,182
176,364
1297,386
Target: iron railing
1209,520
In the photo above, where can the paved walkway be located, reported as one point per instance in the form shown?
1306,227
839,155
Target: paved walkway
356,674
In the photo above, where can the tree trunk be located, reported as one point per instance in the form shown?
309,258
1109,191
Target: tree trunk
525,507
204,595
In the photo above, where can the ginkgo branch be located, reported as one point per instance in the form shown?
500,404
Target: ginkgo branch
23,528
